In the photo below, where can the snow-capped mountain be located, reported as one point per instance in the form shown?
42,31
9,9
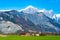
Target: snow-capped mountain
40,17
32,10
31,18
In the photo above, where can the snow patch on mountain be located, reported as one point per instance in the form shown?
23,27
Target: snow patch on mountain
48,13
57,15
29,9
57,18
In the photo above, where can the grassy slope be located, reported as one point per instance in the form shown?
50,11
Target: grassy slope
14,37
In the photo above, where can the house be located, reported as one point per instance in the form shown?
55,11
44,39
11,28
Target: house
24,33
27,34
37,34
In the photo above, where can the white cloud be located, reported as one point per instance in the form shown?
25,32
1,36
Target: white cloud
4,10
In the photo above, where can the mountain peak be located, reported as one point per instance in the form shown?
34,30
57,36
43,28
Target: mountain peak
30,9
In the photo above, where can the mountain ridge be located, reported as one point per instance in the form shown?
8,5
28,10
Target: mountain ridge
32,19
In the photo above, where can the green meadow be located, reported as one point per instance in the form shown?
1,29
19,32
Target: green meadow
15,37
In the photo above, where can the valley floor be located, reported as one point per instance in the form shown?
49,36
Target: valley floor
15,37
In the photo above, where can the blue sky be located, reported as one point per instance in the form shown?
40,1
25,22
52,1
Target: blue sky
19,4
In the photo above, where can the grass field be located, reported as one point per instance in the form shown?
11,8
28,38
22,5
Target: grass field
15,37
